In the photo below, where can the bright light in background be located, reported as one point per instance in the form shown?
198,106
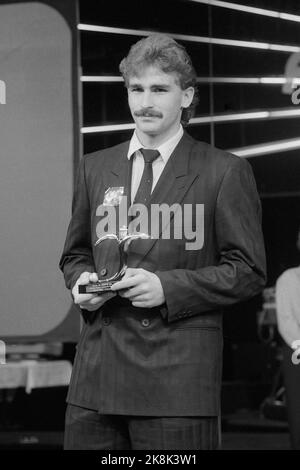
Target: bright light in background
185,37
96,78
248,9
247,80
107,128
267,148
284,113
290,112
231,117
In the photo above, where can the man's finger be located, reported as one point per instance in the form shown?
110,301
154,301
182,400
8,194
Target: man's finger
93,277
84,278
82,298
94,300
140,303
126,283
132,293
87,277
100,299
89,308
131,272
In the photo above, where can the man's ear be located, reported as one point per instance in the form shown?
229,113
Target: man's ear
187,97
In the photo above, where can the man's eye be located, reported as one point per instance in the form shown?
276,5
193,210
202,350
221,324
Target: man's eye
159,90
135,89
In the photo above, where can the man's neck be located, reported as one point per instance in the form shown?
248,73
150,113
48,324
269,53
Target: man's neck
154,141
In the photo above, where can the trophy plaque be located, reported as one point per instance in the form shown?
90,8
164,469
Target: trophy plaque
124,241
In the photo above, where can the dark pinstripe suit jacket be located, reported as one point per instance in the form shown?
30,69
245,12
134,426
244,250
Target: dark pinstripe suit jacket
170,364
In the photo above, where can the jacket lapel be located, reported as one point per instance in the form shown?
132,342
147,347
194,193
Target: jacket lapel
120,172
176,177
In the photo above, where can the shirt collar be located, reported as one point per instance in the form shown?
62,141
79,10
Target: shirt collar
164,149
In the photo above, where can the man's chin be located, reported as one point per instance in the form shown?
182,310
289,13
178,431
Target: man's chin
148,129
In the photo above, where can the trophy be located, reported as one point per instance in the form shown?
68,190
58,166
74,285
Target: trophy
124,242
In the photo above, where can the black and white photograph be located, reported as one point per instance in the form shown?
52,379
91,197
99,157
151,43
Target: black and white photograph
149,228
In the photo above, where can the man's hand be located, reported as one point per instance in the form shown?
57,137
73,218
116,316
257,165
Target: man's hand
89,302
143,288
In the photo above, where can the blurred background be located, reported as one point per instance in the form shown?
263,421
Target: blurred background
62,96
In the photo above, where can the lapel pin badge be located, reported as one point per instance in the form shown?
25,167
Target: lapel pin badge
113,196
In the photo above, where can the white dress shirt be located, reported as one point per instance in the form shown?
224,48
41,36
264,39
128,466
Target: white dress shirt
158,165
288,305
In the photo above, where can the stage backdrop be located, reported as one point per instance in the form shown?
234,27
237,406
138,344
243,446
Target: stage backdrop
39,150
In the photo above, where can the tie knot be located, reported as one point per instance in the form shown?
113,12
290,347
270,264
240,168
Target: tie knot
150,155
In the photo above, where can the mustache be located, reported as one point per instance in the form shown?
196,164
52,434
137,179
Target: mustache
147,113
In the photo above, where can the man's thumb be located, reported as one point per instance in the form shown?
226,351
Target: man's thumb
130,272
93,277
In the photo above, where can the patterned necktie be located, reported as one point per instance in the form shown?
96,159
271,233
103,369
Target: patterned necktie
144,190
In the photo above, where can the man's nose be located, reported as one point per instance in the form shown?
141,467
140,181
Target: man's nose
147,99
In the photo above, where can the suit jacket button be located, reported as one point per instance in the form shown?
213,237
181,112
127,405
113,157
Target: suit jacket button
103,272
145,322
106,321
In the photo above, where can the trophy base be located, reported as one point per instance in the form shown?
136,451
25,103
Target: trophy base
96,287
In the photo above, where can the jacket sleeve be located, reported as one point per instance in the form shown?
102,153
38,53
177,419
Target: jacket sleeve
240,271
77,254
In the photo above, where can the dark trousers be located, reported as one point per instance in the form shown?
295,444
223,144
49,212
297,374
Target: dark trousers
291,373
88,430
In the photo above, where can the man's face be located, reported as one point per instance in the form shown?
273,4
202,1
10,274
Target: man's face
156,101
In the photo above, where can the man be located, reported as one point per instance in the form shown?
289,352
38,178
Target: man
148,367
288,318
